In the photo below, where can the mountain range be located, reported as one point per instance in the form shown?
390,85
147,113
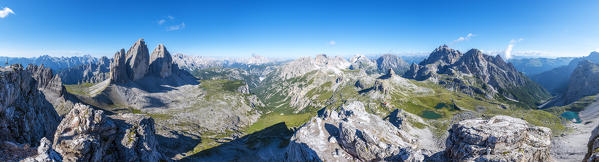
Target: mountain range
143,105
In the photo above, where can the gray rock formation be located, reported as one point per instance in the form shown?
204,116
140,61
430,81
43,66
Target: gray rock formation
477,74
556,80
593,147
136,137
86,134
118,67
352,134
361,62
45,153
161,62
500,138
388,61
25,113
51,86
137,59
583,82
87,73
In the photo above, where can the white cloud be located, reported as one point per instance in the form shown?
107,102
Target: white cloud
161,21
508,50
171,17
176,27
460,39
332,43
5,12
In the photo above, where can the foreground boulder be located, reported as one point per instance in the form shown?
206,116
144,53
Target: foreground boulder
500,138
352,134
136,137
86,134
45,153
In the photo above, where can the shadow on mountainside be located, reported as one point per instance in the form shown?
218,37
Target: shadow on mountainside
154,84
263,145
177,144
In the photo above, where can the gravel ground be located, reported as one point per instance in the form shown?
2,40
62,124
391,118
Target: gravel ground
573,146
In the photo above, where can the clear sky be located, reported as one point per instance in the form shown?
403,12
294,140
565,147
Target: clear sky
287,28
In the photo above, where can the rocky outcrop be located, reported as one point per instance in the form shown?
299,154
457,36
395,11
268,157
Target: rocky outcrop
45,153
161,62
583,82
352,134
136,140
86,134
386,62
477,74
25,113
500,138
137,60
593,147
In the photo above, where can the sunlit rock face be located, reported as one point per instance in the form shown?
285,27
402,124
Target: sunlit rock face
137,59
501,138
352,134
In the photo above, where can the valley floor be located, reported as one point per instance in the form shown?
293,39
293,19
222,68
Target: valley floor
572,146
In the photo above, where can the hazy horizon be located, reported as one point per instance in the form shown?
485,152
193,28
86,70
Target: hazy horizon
292,29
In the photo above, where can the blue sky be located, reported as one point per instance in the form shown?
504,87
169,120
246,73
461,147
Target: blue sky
298,28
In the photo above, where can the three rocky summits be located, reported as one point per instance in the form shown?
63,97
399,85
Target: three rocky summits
37,111
137,62
40,121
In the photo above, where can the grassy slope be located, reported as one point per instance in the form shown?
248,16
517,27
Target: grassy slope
436,109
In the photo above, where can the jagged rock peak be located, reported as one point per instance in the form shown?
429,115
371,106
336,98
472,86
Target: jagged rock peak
161,62
444,54
501,138
118,67
138,59
583,82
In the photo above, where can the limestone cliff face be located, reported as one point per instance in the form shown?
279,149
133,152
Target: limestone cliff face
137,63
25,113
86,134
138,60
118,67
500,138
161,62
93,72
